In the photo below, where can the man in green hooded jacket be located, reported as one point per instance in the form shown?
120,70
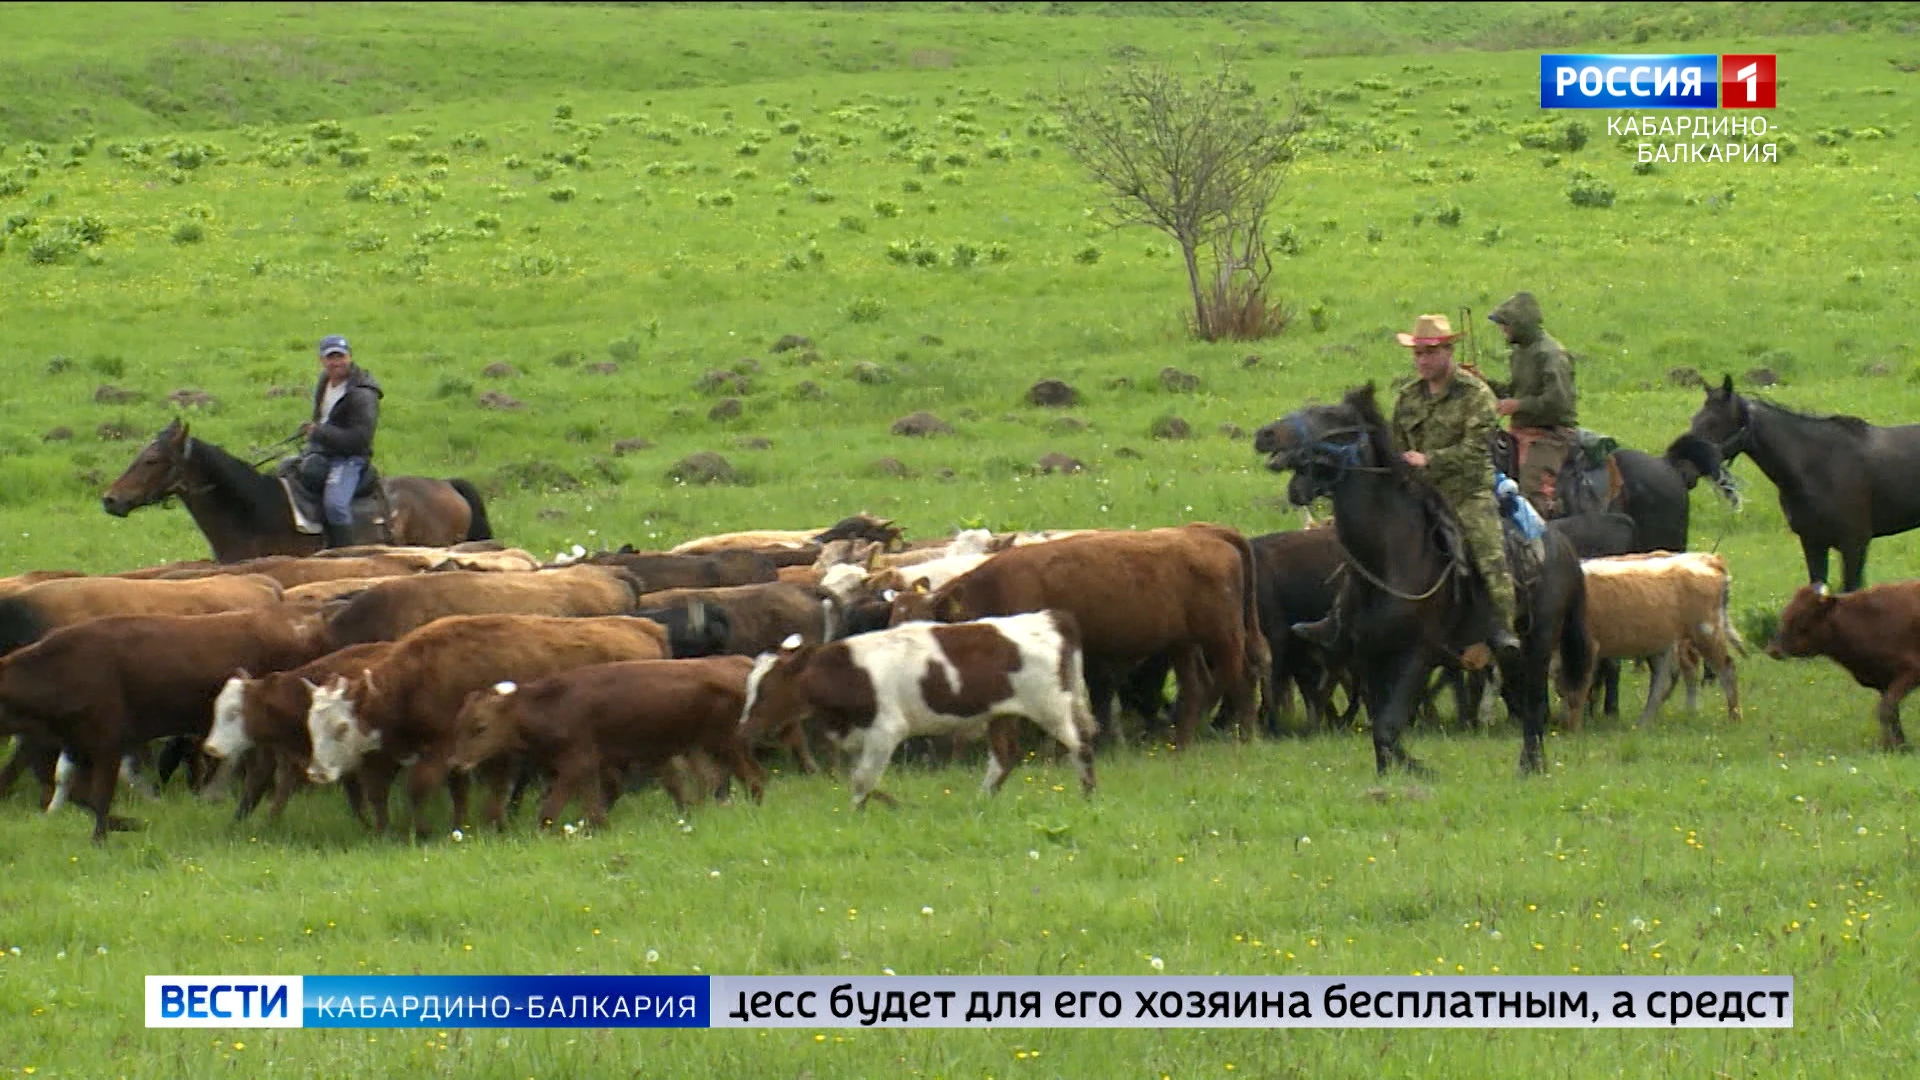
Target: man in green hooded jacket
1540,401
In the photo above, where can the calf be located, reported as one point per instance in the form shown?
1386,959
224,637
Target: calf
388,610
406,703
106,686
263,721
585,724
1872,633
292,570
1645,606
871,692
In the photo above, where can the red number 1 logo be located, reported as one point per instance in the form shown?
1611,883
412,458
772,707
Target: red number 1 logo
1747,81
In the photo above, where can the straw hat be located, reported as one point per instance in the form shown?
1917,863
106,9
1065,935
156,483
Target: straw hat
1428,330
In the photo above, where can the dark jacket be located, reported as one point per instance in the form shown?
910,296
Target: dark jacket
348,430
1542,371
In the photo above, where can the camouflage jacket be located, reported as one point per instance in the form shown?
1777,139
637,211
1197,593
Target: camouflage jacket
1453,431
1542,371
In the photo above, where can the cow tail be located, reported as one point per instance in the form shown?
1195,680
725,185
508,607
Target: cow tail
1259,655
478,527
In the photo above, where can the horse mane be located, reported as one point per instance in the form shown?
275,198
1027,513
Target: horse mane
236,483
1379,436
1696,451
1853,425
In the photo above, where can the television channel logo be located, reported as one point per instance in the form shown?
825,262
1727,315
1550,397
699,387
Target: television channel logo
1673,81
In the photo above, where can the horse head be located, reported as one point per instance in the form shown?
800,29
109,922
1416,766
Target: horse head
1320,442
157,472
1723,419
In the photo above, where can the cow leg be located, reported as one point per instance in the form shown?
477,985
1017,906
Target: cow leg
560,792
876,749
63,771
1195,698
1005,751
425,778
1722,664
1659,685
103,778
1853,567
593,790
797,743
1891,736
1815,552
288,776
1609,675
258,768
749,772
500,776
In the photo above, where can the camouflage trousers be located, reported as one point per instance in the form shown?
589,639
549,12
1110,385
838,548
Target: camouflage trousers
1540,453
1480,523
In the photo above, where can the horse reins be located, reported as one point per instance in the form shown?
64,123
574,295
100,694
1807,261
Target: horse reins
1345,457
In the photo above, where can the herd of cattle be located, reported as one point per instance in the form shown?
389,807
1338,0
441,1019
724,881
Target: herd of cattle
592,669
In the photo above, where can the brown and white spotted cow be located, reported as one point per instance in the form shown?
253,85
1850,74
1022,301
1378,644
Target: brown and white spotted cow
871,692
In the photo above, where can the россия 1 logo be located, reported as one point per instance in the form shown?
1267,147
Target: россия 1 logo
1627,82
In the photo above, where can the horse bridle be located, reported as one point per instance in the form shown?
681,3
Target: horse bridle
1736,443
174,482
1345,457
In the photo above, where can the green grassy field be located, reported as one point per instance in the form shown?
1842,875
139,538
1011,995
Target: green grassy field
669,192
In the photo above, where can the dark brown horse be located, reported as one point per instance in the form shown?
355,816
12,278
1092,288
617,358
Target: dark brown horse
245,515
1842,480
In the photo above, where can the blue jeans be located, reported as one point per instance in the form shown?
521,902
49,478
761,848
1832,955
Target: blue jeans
343,476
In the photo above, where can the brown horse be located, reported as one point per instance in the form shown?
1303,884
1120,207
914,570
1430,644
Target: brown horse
245,515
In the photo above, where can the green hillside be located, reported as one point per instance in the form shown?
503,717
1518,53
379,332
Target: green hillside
564,236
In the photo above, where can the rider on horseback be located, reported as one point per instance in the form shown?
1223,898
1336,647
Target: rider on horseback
1543,405
346,409
1441,424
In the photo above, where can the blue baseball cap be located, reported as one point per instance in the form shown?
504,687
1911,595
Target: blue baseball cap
334,343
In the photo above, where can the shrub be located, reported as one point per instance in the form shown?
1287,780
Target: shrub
820,195
543,171
1447,214
452,386
853,224
1586,189
366,241
350,156
886,208
864,309
714,198
624,349
1087,256
190,231
998,252
912,187
965,255
562,194
402,142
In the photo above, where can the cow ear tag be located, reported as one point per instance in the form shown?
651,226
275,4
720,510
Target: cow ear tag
792,642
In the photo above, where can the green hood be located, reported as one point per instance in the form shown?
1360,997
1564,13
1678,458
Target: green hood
1521,312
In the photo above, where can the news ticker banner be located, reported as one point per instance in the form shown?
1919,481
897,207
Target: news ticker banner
985,1002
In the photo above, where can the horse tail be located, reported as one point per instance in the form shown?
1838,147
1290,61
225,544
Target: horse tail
21,624
478,527
1575,646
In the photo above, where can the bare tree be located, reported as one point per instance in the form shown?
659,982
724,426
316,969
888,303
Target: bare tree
1201,162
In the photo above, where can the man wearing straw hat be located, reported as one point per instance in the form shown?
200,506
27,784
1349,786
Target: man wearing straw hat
1442,424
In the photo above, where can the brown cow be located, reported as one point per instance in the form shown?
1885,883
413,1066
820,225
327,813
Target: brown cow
292,570
105,686
323,591
407,703
582,724
389,610
1874,634
18,583
759,617
263,723
30,614
1189,592
718,570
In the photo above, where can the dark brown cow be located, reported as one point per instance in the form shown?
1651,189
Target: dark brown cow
760,617
32,613
389,610
263,723
406,704
105,686
718,570
1188,592
584,723
1874,634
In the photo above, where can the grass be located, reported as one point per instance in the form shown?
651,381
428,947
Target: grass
414,209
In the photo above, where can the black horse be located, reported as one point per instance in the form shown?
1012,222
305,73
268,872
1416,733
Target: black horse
1415,600
1656,492
1842,480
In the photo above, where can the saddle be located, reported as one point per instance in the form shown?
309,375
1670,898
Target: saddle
1590,481
304,479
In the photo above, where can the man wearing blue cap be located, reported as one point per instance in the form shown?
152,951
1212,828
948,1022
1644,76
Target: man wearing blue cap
346,409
